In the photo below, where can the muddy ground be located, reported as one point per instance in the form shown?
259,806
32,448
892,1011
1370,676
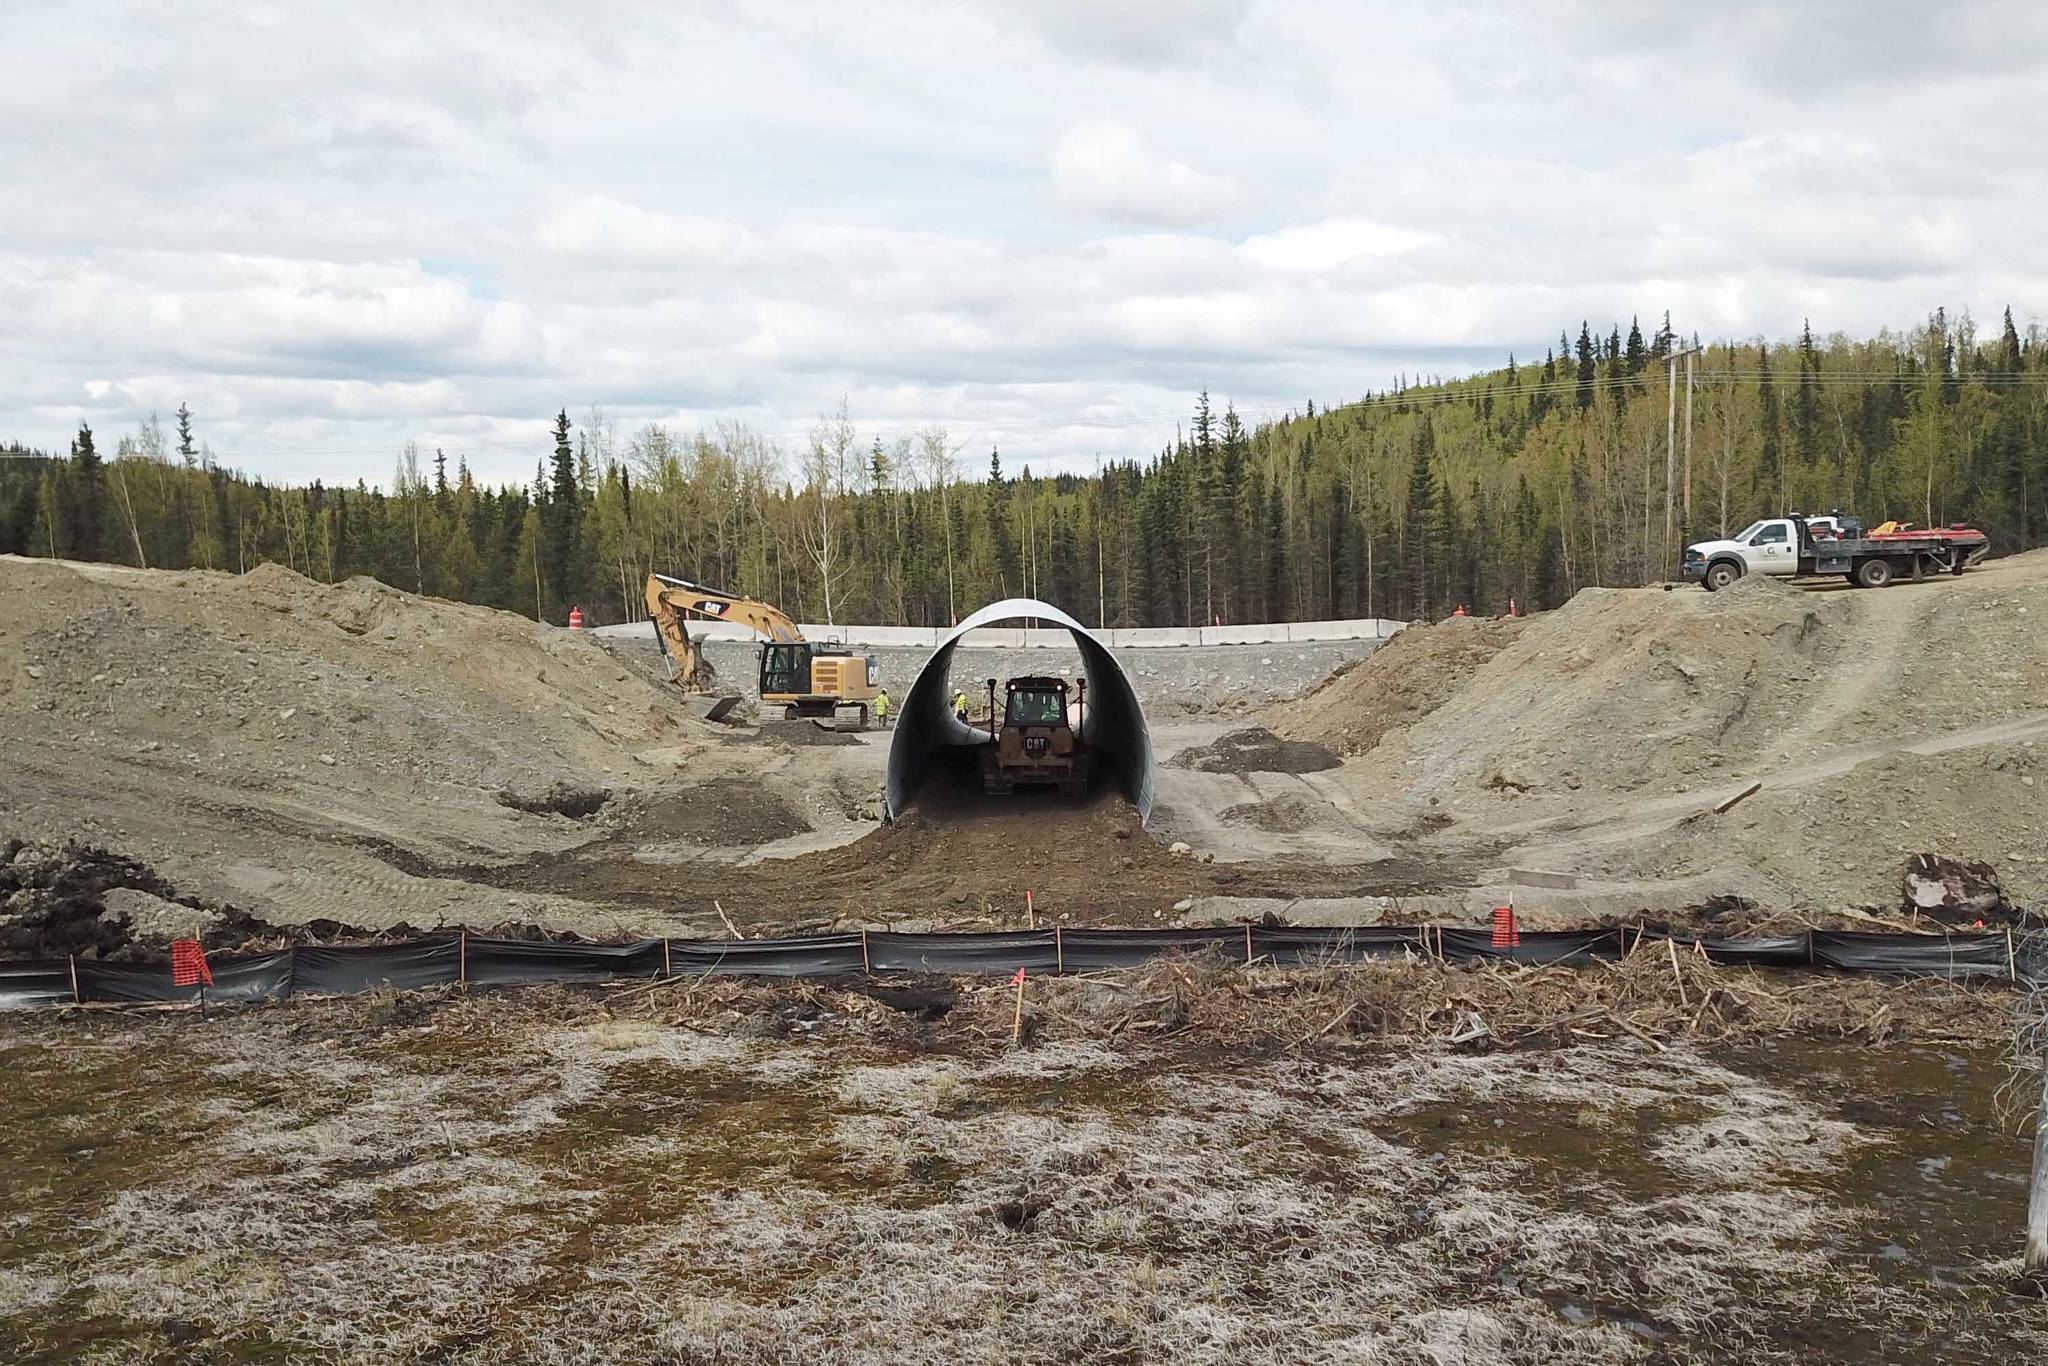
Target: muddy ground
747,1174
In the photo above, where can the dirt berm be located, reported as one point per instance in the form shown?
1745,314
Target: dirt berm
1878,723
257,739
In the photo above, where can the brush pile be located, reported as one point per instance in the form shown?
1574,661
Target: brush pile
1656,996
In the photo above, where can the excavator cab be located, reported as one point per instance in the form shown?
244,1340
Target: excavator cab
817,681
785,669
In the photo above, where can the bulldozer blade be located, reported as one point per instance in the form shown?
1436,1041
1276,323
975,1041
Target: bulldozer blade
722,708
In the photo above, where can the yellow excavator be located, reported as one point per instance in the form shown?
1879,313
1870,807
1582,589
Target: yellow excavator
805,680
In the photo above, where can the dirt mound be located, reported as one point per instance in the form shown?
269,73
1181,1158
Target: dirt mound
723,813
267,671
1625,690
1398,684
1255,750
250,736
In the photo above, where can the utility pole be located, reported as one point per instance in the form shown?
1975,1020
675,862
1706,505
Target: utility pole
1670,462
1671,447
1685,518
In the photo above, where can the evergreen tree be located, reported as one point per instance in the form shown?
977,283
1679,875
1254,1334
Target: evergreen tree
1422,527
186,451
1002,551
1545,396
88,496
1806,401
1661,345
1586,367
1633,355
1771,460
561,521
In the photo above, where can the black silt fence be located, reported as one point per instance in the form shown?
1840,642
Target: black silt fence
447,960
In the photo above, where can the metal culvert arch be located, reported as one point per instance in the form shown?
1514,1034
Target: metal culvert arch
1115,723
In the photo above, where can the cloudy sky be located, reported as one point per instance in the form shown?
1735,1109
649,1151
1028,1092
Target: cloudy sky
333,228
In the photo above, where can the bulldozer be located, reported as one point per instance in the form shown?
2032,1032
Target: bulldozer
1037,743
804,679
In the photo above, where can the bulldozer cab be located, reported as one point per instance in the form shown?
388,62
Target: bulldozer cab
1036,702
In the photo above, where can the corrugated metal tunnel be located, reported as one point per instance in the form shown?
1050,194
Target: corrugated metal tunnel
1115,725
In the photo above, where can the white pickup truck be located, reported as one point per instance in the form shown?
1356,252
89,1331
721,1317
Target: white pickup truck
1815,547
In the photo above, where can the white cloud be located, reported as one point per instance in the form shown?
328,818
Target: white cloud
1104,170
1141,33
601,229
1330,244
1042,222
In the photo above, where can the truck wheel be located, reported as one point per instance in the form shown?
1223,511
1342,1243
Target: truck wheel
1719,575
1874,573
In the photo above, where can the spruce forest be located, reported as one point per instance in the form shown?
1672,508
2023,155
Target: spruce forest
1523,485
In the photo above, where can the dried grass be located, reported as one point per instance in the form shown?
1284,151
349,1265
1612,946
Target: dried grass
726,1171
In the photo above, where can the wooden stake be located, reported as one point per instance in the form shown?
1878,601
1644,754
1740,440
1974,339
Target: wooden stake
1247,943
1059,952
1725,807
462,960
2012,958
1017,1023
1030,911
667,967
867,963
78,997
1672,944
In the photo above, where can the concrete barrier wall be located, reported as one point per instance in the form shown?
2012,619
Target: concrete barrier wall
1050,637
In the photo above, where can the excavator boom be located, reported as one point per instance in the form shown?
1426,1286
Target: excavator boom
672,601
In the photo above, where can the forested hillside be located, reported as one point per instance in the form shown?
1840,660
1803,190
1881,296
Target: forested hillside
1525,483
